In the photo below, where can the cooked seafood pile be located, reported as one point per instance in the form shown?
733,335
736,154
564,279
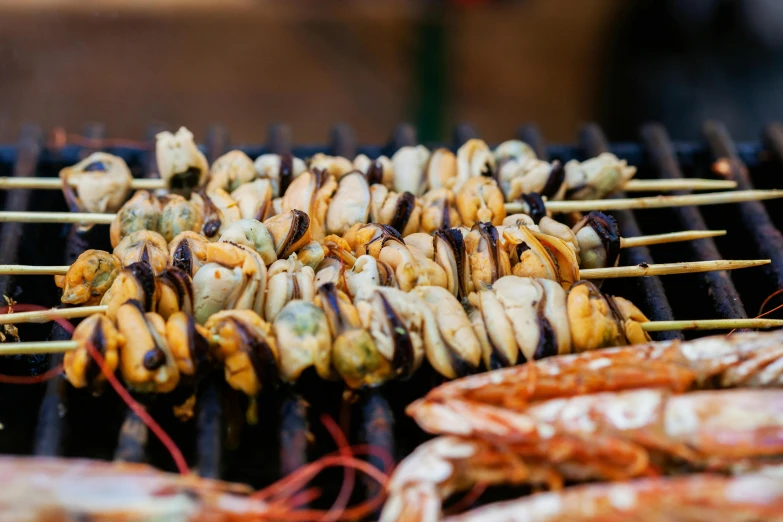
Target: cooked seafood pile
613,415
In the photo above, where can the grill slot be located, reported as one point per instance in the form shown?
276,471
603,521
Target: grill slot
73,423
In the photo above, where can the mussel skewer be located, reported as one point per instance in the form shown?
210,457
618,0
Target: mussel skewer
511,208
625,242
42,347
634,185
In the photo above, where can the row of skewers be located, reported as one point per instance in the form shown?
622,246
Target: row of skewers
392,292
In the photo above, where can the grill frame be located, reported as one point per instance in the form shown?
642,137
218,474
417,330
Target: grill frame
376,416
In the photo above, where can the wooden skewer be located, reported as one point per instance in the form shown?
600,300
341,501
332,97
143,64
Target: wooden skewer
10,183
644,185
44,316
668,268
38,347
634,185
671,237
710,198
624,243
710,324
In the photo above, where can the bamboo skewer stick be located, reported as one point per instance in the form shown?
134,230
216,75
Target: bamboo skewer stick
644,185
33,270
630,242
42,347
44,316
634,185
668,268
710,324
10,183
671,237
710,198
56,217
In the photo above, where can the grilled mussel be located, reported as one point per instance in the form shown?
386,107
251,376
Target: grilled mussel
474,158
480,200
451,345
303,330
599,240
80,368
596,177
254,199
367,273
396,321
88,278
377,171
217,211
599,321
140,212
355,356
401,211
535,254
350,204
99,183
231,170
439,210
287,280
488,261
178,215
144,246
134,282
188,251
311,193
337,166
146,361
290,232
233,278
183,167
244,343
441,171
253,234
175,292
408,164
189,346
519,319
280,170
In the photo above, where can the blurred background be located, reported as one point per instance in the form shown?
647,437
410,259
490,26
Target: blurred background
248,63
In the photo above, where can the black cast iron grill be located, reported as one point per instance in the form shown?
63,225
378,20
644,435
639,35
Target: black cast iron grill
53,419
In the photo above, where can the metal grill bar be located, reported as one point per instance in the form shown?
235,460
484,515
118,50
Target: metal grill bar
52,423
132,441
657,306
724,296
530,134
280,140
462,133
209,435
343,141
754,216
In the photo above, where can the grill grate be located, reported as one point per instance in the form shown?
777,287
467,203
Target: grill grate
73,423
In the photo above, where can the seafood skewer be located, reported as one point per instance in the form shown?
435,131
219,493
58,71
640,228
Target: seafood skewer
534,424
625,242
510,208
385,333
43,347
634,185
